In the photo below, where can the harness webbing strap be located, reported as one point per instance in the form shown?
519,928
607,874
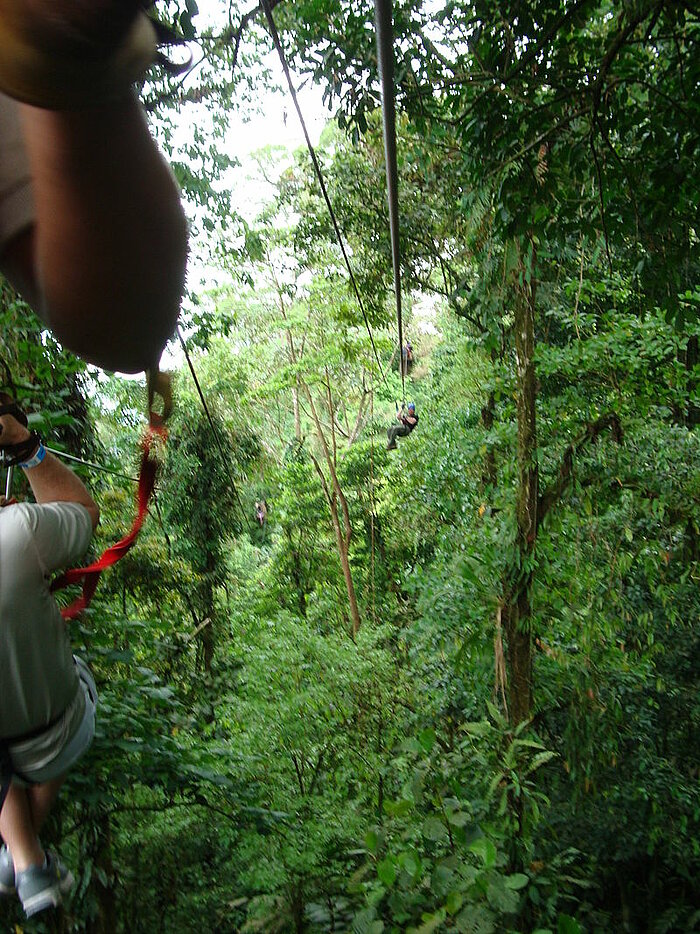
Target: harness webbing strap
90,575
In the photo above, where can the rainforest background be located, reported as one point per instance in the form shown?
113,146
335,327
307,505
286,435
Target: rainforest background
453,686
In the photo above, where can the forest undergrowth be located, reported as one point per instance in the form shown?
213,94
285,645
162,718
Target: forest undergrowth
302,777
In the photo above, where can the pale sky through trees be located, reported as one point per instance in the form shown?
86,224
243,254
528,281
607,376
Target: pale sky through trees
271,121
251,131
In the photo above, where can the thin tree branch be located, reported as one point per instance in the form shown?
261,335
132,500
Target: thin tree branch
556,489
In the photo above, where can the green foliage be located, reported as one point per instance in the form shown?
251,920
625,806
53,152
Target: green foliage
259,766
437,855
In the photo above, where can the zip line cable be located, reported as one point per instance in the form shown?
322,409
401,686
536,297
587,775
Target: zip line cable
213,427
100,468
93,466
76,460
319,175
385,58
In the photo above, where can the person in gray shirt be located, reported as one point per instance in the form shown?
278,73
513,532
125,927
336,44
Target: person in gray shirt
48,698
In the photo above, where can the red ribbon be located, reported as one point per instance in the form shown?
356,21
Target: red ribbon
90,575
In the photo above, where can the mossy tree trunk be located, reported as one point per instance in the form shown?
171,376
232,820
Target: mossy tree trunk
517,608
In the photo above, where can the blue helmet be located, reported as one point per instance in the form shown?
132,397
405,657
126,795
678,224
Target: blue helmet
411,406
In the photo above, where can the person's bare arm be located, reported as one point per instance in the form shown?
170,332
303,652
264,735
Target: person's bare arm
104,264
51,481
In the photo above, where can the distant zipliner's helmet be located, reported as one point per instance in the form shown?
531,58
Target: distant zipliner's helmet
411,406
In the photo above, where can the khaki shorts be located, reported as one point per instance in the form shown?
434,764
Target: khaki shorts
49,755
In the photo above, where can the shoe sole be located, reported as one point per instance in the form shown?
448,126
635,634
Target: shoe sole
47,898
50,897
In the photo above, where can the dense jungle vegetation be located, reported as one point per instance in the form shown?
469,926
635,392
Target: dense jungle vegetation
452,687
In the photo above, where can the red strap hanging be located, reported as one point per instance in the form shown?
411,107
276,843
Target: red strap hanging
148,471
90,575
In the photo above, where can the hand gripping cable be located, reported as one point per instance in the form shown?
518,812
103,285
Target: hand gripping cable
13,454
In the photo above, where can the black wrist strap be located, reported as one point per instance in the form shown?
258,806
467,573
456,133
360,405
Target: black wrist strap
11,408
13,454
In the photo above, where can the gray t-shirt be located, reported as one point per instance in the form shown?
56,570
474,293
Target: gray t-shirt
37,674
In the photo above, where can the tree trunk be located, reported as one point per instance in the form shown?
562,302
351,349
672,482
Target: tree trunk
297,573
335,493
692,357
298,907
297,413
105,921
343,534
516,606
380,782
207,634
488,476
343,552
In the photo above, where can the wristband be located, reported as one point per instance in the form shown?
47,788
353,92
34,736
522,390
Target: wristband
40,77
36,460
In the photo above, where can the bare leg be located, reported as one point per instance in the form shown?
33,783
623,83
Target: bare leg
17,829
23,816
41,799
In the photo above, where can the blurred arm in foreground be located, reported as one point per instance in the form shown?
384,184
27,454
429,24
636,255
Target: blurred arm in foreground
92,231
